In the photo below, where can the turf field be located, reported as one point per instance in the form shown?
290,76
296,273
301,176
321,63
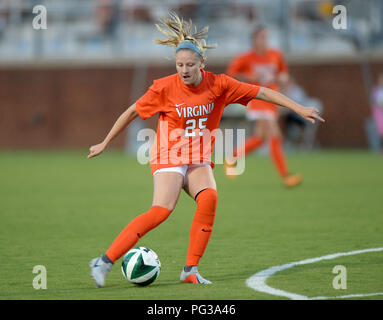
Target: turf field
59,209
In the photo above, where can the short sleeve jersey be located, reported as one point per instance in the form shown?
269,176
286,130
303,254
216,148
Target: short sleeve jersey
189,116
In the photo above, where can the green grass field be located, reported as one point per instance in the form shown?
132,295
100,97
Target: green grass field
59,209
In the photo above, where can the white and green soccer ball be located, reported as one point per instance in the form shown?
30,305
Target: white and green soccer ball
141,266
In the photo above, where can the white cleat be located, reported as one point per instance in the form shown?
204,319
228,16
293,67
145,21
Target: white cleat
99,271
193,276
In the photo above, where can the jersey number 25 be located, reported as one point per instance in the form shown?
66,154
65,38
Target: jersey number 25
190,129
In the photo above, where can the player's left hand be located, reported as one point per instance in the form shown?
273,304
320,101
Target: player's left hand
310,114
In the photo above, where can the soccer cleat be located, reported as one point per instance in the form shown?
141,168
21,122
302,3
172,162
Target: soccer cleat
99,271
293,180
193,276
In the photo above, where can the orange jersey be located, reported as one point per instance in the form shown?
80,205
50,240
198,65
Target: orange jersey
189,116
266,68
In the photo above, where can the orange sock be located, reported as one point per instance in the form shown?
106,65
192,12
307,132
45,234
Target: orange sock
278,156
251,144
136,229
202,225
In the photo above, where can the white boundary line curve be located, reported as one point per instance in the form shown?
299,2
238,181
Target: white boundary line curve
257,281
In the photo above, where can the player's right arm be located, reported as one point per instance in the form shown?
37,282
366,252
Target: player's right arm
122,122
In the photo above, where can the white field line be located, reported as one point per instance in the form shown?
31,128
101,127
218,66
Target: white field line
258,280
358,295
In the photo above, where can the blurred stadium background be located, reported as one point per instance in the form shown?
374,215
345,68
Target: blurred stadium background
64,86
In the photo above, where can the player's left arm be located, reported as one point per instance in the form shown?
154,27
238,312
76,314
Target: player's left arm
275,97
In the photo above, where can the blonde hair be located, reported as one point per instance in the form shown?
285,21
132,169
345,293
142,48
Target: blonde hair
177,31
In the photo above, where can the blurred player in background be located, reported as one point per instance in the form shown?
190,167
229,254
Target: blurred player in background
264,67
377,108
190,103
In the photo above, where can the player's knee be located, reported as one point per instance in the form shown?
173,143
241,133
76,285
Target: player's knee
207,201
169,205
208,194
159,214
275,135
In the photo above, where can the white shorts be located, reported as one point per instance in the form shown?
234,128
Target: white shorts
260,114
184,169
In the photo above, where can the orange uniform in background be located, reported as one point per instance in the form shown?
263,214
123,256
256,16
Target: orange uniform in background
266,68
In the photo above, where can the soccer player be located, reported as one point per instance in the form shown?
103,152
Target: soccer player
190,105
264,67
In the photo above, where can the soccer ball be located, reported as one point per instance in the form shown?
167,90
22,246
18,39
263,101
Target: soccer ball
141,266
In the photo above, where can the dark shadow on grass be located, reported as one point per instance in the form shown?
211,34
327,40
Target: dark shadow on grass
224,277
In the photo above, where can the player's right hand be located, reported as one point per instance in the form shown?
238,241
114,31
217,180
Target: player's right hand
96,150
